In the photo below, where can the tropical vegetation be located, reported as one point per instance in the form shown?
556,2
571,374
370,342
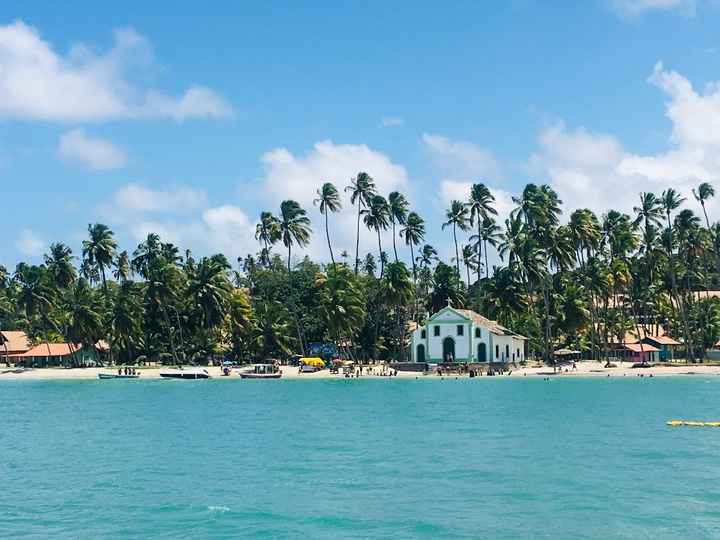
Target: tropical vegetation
581,280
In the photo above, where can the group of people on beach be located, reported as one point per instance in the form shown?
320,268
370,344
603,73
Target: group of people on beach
127,371
382,371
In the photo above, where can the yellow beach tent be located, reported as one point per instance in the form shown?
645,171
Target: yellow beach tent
313,361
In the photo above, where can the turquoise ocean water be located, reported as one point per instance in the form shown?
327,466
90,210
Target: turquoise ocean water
499,458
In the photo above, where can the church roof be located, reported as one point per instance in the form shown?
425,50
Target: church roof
491,325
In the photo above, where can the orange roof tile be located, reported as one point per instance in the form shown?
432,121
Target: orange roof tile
53,349
637,347
16,341
487,323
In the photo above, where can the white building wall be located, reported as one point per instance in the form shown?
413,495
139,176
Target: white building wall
507,349
510,348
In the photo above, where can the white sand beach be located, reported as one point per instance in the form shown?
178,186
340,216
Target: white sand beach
584,369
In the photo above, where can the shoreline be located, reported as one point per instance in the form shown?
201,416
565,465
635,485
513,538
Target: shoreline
585,369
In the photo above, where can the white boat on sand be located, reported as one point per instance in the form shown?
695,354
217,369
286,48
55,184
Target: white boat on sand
261,371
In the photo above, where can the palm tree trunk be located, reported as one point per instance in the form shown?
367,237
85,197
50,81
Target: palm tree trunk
415,298
457,255
102,273
714,238
486,258
382,261
293,306
412,256
327,233
394,247
680,303
170,334
548,330
357,238
479,264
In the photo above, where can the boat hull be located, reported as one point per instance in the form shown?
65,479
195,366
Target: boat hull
105,376
260,375
187,375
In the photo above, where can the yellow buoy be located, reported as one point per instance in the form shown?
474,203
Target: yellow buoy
691,423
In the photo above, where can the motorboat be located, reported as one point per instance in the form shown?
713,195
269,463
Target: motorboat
104,376
190,373
261,371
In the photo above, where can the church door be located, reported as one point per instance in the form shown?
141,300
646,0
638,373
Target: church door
448,349
420,355
482,353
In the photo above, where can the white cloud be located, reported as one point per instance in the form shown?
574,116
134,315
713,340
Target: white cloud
229,229
223,229
38,83
391,121
461,158
298,177
29,243
695,117
95,153
136,198
594,170
634,8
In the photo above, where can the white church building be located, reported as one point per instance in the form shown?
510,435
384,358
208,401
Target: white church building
461,335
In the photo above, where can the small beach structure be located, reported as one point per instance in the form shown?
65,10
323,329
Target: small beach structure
13,343
311,364
462,335
667,345
637,352
58,354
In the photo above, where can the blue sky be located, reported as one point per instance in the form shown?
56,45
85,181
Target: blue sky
190,121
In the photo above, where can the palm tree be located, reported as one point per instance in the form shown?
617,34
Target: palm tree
481,207
210,291
427,255
123,270
362,189
100,249
398,213
294,229
342,303
671,201
84,316
706,191
59,264
687,226
272,329
414,233
377,218
488,233
329,201
649,214
267,231
165,284
457,216
585,232
469,259
397,291
147,253
125,318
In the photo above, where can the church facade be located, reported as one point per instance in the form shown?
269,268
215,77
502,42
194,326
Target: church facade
461,335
